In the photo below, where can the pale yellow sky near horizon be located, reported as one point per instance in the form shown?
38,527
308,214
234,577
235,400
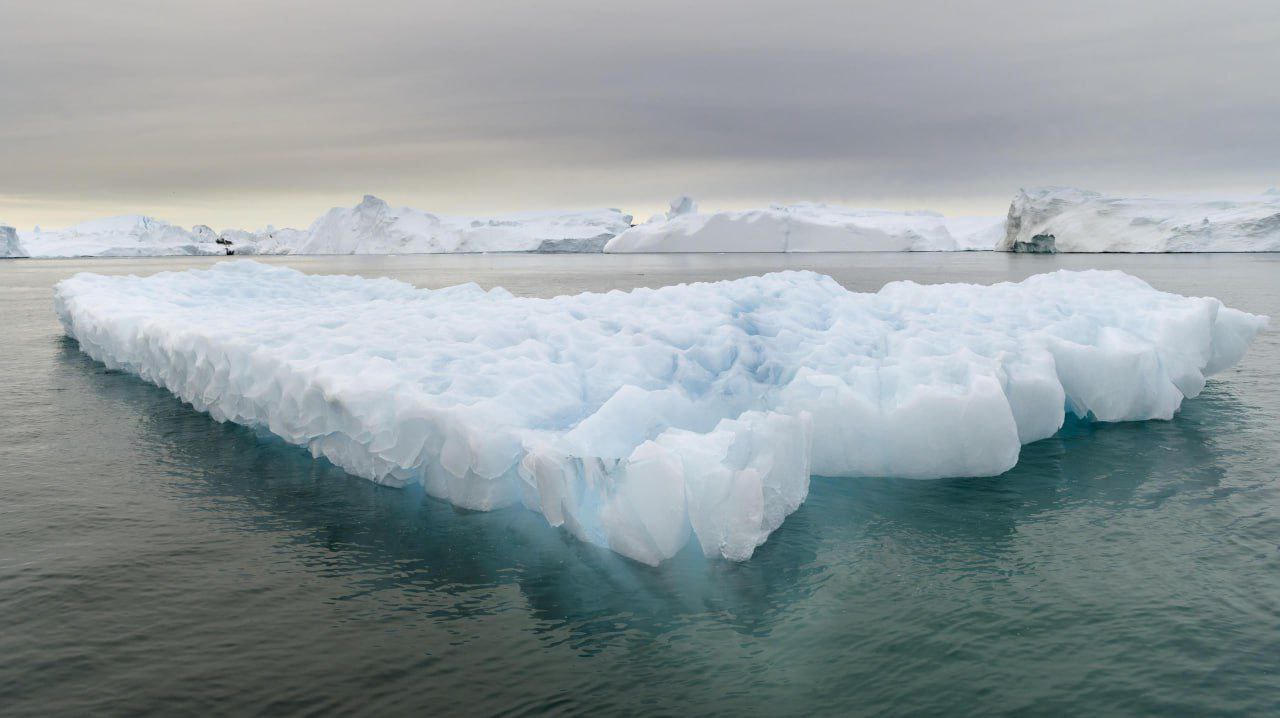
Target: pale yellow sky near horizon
299,212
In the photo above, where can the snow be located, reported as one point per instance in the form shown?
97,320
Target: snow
644,420
374,227
9,244
1083,221
125,236
806,227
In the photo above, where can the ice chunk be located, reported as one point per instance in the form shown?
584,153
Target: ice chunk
643,420
1065,219
9,244
806,228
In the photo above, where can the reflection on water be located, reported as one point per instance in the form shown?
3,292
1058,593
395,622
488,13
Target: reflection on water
153,560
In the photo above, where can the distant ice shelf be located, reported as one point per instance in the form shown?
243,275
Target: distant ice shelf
639,420
806,227
370,227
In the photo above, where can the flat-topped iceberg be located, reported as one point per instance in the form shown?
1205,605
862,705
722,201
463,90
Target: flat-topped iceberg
1065,219
806,227
637,420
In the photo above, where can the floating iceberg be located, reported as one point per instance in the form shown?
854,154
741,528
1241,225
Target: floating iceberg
373,227
9,244
126,236
806,227
266,241
1064,219
639,420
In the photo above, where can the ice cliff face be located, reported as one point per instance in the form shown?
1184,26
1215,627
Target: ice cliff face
9,244
1064,219
805,227
642,420
373,227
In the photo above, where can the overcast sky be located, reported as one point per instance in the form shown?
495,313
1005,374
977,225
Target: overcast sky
248,112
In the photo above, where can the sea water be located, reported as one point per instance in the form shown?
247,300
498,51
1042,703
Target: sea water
154,560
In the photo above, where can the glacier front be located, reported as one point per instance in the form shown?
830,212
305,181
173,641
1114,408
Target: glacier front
643,420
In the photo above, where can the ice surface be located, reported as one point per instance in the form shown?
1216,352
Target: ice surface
806,228
642,420
126,236
9,244
1082,221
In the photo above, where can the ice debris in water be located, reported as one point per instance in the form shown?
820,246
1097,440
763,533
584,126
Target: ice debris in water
639,420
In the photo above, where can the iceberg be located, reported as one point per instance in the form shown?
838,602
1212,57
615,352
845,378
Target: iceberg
806,227
643,421
125,236
9,244
266,241
1065,219
371,227
374,227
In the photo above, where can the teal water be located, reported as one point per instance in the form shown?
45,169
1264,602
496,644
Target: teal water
153,561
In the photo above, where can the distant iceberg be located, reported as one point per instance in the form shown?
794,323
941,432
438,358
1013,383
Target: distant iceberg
371,227
1065,219
374,227
806,227
126,236
642,420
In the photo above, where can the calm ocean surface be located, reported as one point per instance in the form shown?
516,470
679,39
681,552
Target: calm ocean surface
153,561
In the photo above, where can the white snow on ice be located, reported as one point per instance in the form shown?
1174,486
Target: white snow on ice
1083,221
637,420
806,227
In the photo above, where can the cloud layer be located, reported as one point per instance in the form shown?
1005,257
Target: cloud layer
249,112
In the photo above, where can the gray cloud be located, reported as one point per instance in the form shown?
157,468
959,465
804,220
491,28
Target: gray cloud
287,106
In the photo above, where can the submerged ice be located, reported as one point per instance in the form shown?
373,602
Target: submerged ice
643,420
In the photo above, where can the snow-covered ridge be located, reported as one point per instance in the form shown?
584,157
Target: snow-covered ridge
806,227
642,420
1065,219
